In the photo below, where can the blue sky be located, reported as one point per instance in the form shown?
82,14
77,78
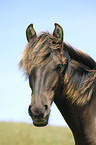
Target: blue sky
78,19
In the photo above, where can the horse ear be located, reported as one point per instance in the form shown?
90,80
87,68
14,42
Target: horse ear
30,32
58,31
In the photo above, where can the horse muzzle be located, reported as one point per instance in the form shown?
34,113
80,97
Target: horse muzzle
39,114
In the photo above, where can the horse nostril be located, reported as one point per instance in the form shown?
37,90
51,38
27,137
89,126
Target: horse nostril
37,110
29,110
46,107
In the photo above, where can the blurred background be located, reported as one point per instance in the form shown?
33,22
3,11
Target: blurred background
78,20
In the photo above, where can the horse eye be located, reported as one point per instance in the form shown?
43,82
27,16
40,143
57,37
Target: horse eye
53,88
46,56
53,42
58,68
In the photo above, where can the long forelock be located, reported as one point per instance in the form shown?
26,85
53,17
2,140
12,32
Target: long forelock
37,52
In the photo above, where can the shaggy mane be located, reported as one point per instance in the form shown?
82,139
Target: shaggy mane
39,52
80,57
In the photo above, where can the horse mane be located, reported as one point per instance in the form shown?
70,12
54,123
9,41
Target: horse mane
38,52
79,84
79,57
80,77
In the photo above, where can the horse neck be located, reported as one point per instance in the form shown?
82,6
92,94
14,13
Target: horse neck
70,114
79,120
75,113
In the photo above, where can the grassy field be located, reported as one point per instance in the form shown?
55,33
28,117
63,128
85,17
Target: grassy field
27,134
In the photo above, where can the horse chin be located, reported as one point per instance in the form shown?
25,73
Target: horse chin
40,122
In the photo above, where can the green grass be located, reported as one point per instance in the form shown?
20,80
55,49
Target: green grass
27,134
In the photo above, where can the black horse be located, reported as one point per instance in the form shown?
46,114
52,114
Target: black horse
57,72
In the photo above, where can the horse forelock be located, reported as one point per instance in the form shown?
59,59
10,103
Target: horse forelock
38,52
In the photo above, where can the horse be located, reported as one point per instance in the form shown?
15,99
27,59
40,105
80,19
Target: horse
60,73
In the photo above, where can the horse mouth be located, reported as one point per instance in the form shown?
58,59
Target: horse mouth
40,122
